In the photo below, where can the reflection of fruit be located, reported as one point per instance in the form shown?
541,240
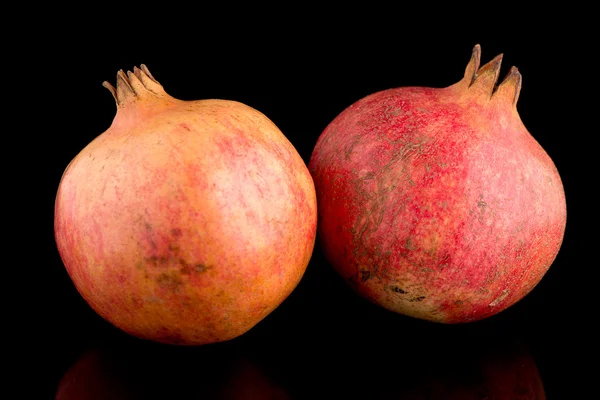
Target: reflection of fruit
185,222
437,202
436,366
96,376
105,374
245,381
500,374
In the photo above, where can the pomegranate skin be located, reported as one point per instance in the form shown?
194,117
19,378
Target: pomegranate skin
437,203
185,222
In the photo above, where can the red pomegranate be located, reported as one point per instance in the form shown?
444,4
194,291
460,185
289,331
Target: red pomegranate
185,222
437,203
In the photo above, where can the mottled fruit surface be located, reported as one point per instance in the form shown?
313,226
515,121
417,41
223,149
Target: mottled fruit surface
185,222
437,203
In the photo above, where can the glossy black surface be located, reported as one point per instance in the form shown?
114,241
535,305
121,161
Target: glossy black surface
323,341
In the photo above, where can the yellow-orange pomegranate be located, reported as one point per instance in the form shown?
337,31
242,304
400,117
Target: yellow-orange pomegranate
437,203
185,222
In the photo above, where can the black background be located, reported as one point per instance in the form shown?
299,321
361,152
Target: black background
301,69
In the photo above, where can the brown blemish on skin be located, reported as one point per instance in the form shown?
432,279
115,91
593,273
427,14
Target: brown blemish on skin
417,299
498,299
365,274
169,281
408,245
158,261
392,111
398,290
367,176
350,147
187,268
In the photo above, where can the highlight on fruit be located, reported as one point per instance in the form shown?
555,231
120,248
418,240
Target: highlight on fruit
437,203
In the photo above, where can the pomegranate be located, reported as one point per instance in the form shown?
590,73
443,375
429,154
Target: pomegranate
185,222
437,203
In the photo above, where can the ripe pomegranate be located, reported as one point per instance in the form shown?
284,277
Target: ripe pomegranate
185,222
437,203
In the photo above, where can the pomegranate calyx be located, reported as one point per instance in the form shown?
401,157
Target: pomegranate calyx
486,77
482,81
510,87
133,85
473,65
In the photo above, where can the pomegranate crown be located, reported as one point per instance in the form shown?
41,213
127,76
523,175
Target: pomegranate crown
484,79
133,85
